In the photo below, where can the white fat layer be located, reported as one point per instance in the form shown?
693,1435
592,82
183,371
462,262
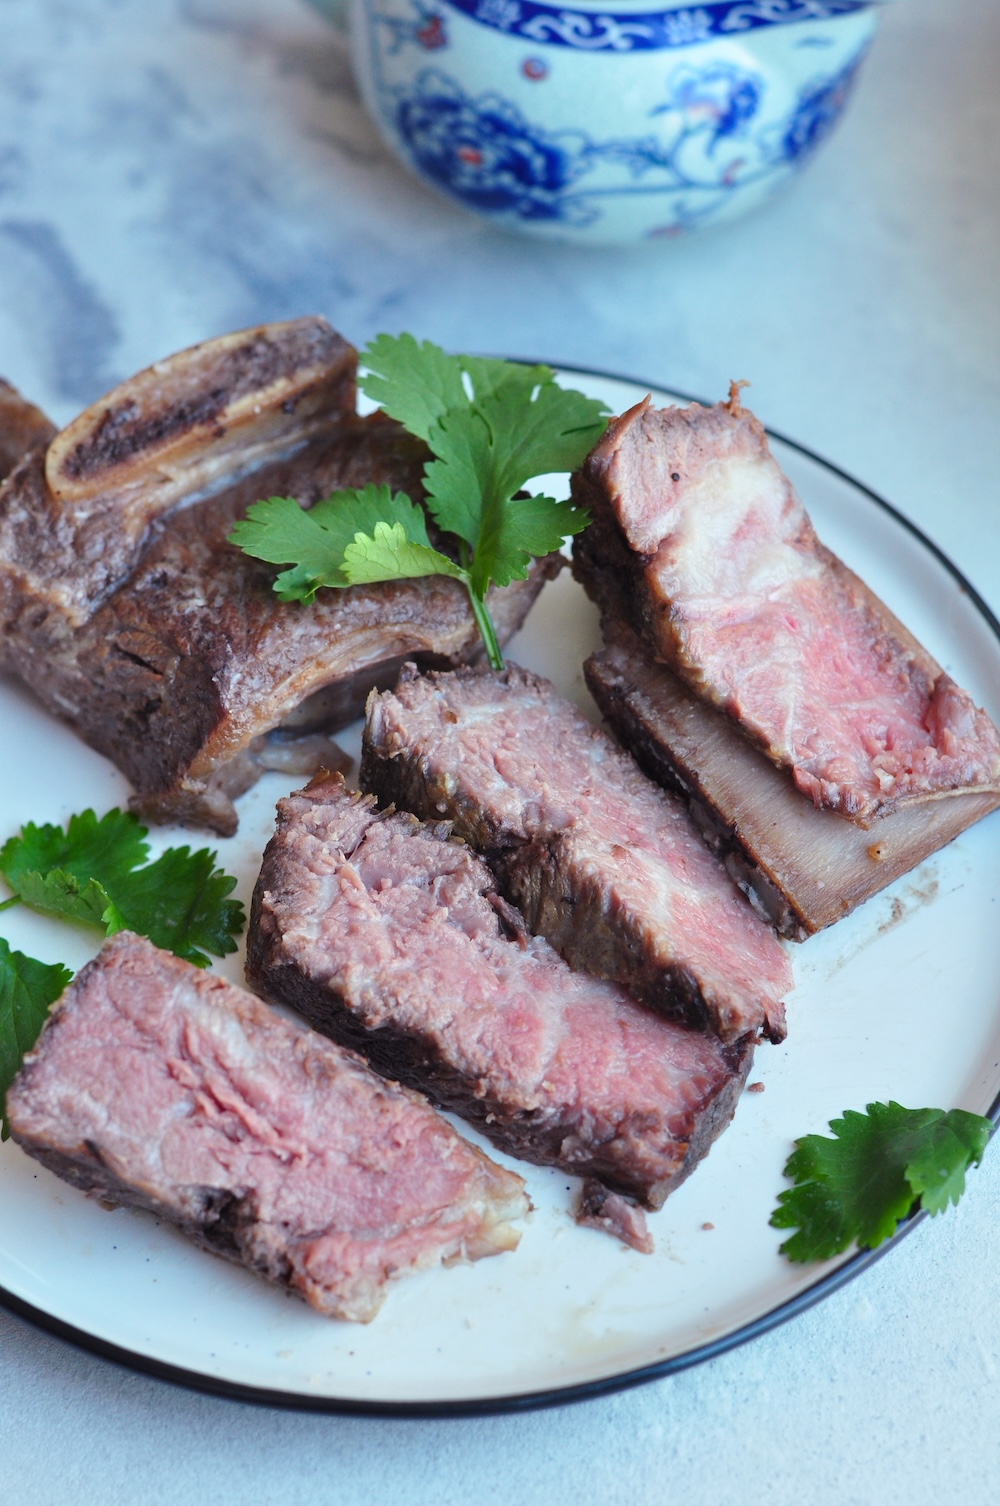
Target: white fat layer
733,534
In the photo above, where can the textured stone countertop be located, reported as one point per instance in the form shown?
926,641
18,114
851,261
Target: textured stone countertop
170,169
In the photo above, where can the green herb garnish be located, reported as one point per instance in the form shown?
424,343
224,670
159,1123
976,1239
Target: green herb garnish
877,1168
97,872
491,426
28,989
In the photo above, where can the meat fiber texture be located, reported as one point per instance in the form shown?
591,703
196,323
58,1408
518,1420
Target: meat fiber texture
389,935
603,863
166,648
733,590
159,1086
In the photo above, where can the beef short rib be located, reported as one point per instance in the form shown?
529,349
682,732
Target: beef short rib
700,547
166,648
731,588
802,868
600,860
159,1086
389,935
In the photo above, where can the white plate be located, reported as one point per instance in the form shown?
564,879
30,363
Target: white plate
571,1311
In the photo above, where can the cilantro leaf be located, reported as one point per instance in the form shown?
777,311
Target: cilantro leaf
106,850
96,872
546,428
936,1171
414,383
418,383
278,530
180,903
510,379
876,1168
516,423
28,990
61,893
491,426
387,554
485,455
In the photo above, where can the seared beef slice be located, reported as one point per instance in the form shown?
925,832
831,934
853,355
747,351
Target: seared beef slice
601,862
389,935
732,589
157,1085
124,608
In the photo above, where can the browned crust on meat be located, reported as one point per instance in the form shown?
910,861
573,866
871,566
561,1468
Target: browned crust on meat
416,1060
571,911
125,608
213,1227
613,1214
206,390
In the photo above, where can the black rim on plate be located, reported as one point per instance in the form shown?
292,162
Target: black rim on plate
558,1395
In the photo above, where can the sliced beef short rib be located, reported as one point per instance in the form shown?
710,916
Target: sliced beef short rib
125,609
600,860
803,868
159,1086
731,588
389,935
804,861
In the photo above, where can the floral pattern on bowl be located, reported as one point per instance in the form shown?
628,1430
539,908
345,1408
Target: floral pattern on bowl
607,127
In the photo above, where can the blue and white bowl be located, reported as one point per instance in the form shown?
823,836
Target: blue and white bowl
607,124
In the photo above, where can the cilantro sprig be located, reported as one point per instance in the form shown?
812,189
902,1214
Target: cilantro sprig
877,1167
28,989
490,426
97,871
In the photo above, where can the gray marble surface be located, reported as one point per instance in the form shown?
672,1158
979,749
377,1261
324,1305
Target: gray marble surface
170,169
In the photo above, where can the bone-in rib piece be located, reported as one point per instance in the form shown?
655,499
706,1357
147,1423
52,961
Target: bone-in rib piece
803,868
126,610
732,589
601,862
159,1086
390,936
